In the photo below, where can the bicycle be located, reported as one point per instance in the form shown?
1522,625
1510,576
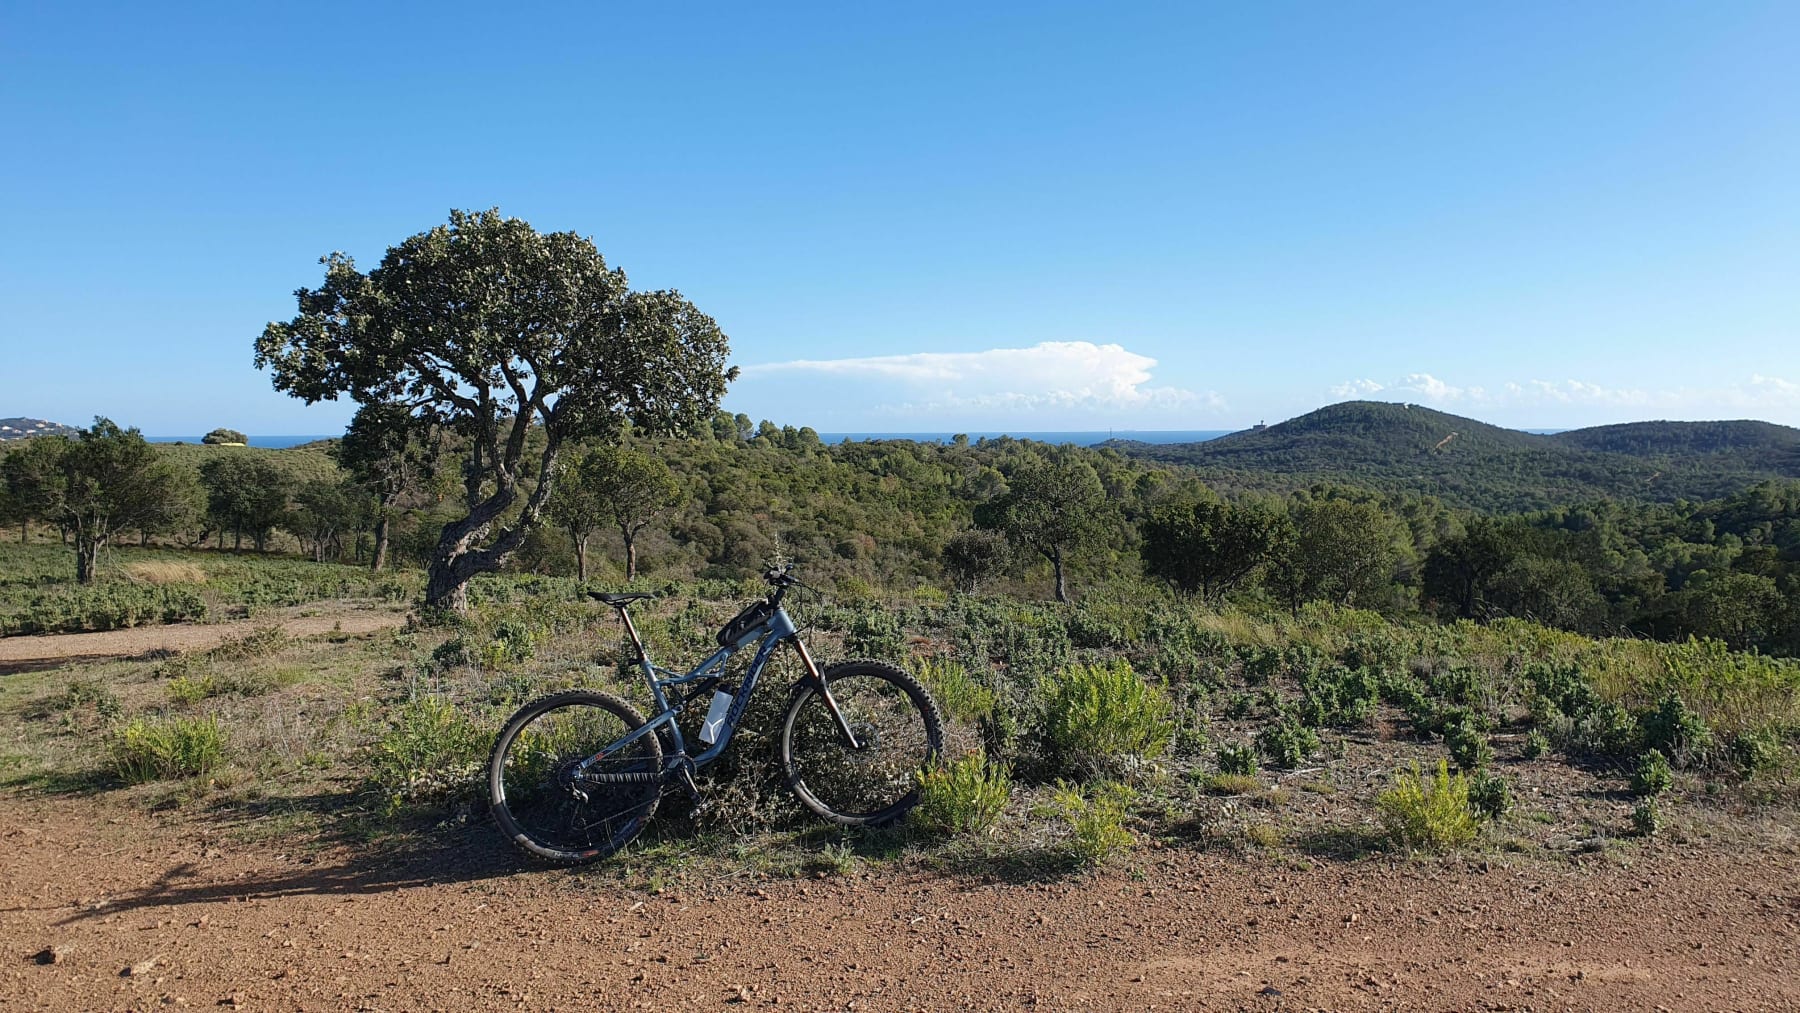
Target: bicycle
575,776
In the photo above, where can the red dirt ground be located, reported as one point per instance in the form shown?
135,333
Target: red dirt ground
134,911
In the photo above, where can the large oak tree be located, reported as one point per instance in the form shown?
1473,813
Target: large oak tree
489,328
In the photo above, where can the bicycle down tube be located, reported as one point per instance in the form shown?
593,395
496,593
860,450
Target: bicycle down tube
778,627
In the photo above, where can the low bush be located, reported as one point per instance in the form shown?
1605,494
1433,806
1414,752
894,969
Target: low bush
1468,747
1240,759
1489,795
1095,817
964,797
957,693
1536,745
1754,752
1675,730
1287,743
1428,812
430,752
1653,775
1096,714
152,749
1646,818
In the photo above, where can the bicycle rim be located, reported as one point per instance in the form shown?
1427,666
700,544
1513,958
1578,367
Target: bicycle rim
548,808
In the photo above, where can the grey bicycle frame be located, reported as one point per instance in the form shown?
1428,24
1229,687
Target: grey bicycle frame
772,631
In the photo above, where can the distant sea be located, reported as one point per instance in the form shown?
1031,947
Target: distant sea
1083,439
270,442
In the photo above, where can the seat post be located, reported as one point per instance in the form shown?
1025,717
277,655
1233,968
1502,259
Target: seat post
631,631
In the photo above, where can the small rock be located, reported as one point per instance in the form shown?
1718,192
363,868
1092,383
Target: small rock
51,954
139,969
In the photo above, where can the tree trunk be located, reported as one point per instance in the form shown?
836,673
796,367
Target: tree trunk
581,543
447,584
24,531
630,556
381,544
1062,582
237,544
87,559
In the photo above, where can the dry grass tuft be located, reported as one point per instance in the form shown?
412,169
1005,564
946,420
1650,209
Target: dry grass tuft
165,572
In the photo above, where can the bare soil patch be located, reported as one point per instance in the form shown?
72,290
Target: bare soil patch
137,910
45,651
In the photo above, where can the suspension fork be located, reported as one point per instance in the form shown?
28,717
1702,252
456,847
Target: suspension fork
818,679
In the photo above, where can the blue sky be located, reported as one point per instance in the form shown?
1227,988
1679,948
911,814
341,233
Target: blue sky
943,216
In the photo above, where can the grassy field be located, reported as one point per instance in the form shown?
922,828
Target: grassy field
146,586
1131,720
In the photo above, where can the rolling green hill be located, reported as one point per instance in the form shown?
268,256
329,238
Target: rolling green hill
1406,448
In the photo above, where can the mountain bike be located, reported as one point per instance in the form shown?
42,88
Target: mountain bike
575,776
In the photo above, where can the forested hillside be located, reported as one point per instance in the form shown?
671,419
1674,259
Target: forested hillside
1399,448
1026,518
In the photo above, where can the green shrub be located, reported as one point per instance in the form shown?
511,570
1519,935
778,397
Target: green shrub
875,634
965,797
430,751
1096,819
84,691
1287,743
151,749
1653,775
1674,729
1754,752
1237,759
1095,714
1489,795
1536,745
1426,812
1468,747
1646,818
191,689
957,692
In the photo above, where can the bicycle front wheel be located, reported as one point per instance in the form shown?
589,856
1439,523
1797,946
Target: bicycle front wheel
897,732
551,809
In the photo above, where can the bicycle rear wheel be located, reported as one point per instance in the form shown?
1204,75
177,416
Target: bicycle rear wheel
545,806
897,730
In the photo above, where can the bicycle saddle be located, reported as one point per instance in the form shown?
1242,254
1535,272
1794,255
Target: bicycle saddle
615,600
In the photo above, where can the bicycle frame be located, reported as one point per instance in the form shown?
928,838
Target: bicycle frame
771,632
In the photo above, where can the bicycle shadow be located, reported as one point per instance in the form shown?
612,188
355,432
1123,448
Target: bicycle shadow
346,867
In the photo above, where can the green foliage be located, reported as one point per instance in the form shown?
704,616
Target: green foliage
1287,743
1536,745
429,751
504,335
959,696
875,633
1095,815
1426,812
964,797
1054,508
1652,775
152,749
1209,546
1095,714
1468,747
1339,696
223,435
1489,795
1754,752
191,689
1646,818
1237,759
1675,730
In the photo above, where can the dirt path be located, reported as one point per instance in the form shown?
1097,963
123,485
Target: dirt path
18,654
153,915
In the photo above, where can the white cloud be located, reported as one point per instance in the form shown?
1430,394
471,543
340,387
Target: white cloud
1060,379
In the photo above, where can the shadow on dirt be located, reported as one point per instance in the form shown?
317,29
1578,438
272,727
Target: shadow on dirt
349,864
